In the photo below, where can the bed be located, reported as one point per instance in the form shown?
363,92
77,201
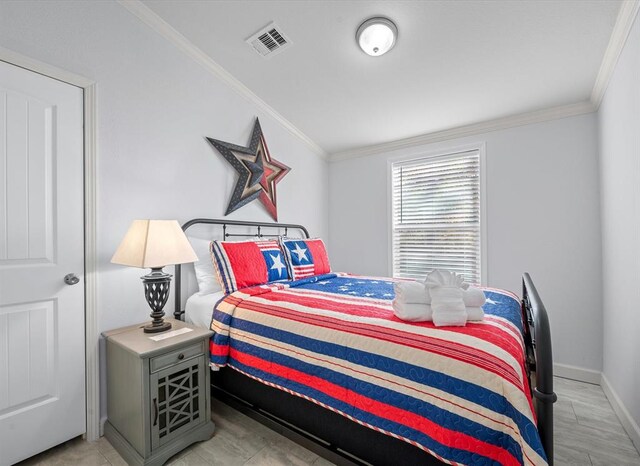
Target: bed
324,361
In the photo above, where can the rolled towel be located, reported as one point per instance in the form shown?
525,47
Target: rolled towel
475,313
412,292
456,319
412,312
473,297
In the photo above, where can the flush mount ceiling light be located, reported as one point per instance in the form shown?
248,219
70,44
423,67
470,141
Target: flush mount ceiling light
376,36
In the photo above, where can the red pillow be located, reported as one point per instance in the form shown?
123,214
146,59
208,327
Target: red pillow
247,263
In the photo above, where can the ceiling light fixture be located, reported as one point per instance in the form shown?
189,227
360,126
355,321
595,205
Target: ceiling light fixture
376,36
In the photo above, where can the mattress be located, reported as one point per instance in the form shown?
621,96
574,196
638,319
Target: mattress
459,393
199,308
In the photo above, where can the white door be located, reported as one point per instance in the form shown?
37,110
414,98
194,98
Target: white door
42,384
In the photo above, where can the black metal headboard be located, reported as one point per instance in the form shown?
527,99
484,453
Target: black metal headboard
178,312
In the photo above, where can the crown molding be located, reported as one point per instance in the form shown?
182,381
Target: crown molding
151,19
538,116
624,22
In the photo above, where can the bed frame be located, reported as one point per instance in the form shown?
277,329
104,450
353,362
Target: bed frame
335,437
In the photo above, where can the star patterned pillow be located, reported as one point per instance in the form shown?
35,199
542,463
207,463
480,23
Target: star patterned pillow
247,263
305,257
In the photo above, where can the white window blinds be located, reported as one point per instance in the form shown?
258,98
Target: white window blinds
436,216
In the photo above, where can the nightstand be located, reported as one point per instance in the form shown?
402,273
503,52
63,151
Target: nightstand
158,400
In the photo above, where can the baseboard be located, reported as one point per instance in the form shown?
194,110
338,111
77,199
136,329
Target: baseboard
103,419
627,421
581,374
598,378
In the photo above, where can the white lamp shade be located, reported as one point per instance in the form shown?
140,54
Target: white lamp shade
154,244
376,36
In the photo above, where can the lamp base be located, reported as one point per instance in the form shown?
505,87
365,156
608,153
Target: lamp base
154,328
156,290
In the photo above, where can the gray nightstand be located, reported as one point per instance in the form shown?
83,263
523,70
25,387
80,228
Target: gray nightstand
157,392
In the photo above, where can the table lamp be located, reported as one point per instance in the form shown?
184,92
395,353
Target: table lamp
155,244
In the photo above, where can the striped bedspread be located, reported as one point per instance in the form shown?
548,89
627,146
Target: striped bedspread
459,393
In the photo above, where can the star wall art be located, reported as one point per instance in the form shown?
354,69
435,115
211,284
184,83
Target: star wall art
258,173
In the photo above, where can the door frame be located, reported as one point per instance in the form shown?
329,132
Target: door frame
88,86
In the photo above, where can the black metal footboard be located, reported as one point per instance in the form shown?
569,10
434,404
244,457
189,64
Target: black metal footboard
539,361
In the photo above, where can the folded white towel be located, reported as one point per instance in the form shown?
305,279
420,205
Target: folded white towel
452,318
473,297
412,312
446,299
446,290
475,313
412,292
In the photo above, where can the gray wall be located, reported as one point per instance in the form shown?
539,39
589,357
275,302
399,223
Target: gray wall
542,218
155,105
619,118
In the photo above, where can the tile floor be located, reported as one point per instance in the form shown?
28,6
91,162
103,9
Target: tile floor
587,433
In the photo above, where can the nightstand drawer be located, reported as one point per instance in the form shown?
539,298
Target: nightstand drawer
179,355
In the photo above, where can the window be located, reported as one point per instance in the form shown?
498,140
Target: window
436,216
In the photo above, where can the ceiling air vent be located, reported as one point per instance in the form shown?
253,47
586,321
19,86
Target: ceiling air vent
269,41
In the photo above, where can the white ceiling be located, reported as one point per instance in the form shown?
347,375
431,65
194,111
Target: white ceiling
455,62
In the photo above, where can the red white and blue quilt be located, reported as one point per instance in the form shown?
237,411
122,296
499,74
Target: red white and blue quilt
459,393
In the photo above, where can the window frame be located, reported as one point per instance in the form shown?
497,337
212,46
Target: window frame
442,151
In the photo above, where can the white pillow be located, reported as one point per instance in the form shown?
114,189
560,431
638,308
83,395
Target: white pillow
205,273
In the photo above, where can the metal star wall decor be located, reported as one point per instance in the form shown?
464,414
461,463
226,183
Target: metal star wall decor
258,173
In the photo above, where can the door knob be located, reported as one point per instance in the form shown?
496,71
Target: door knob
71,279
